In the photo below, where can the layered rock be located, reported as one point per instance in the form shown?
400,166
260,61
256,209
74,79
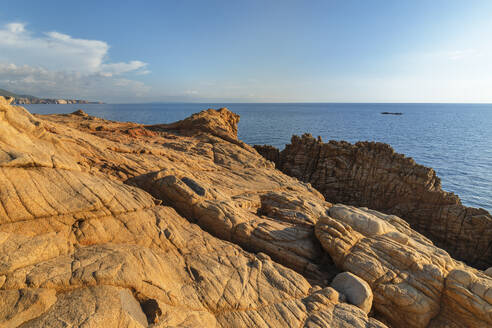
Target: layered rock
413,281
198,167
78,248
118,224
372,175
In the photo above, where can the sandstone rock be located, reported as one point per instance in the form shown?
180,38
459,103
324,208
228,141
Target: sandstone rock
80,112
20,306
89,231
221,123
273,223
78,247
467,300
355,289
92,307
488,272
412,280
372,175
6,100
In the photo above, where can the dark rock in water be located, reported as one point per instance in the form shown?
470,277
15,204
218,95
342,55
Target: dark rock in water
391,113
372,175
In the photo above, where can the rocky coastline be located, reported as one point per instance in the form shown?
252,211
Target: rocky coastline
373,175
27,101
119,224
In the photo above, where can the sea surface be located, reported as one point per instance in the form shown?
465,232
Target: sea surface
454,139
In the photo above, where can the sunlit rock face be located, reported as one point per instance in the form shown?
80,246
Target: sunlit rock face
117,224
412,280
80,248
372,175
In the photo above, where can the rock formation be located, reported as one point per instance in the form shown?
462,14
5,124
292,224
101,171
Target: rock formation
413,281
117,224
372,175
355,289
28,101
78,248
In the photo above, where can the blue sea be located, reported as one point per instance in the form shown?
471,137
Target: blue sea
454,139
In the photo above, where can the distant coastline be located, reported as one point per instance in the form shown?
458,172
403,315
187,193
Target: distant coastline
28,99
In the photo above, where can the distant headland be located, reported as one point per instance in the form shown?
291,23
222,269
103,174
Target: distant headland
28,99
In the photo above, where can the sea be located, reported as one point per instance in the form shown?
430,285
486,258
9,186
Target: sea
454,139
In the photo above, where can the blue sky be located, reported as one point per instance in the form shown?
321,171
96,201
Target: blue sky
251,51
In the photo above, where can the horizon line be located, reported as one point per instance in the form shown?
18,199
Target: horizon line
295,102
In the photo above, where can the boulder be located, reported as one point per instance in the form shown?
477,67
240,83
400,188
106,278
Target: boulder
356,290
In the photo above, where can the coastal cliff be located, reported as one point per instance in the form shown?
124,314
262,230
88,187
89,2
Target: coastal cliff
28,99
371,174
116,224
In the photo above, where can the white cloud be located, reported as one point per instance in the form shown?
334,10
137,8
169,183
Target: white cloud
15,27
56,63
455,55
461,54
119,68
144,72
46,83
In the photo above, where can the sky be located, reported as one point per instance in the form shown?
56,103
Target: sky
248,50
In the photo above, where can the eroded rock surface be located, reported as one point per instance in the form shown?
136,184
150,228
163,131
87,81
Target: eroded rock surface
372,175
79,248
211,179
122,225
413,281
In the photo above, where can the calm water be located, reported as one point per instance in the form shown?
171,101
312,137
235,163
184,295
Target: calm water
454,139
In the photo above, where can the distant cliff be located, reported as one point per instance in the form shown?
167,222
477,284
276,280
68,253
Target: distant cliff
28,99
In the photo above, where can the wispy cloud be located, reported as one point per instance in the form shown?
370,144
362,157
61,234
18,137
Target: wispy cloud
461,54
454,55
53,63
61,84
120,68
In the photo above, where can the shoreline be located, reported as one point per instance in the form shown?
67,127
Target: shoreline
373,175
465,172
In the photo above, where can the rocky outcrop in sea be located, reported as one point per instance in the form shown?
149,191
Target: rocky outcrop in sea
116,224
373,175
